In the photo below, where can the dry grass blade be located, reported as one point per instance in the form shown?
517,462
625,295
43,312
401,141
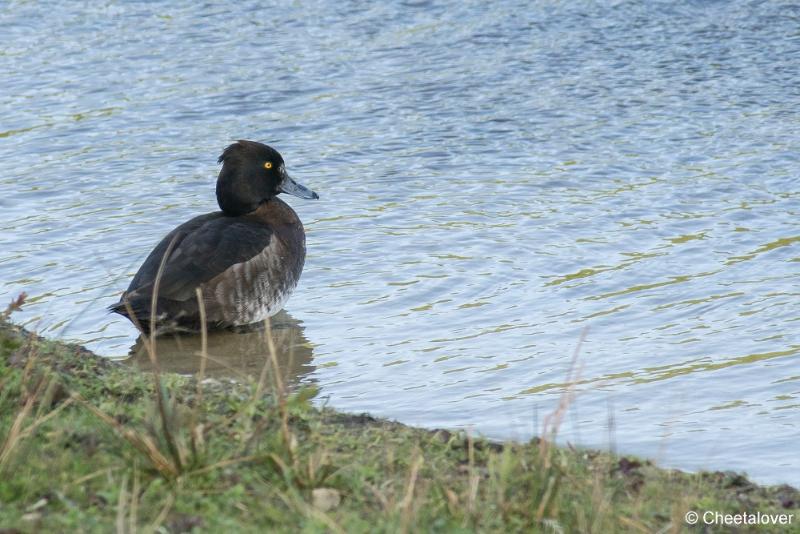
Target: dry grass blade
552,421
122,502
14,305
229,462
133,517
280,394
543,504
262,378
197,440
104,471
161,401
162,515
408,498
636,525
154,295
18,430
14,433
43,419
474,479
143,444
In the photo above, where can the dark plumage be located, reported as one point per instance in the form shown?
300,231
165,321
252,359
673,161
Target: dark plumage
246,259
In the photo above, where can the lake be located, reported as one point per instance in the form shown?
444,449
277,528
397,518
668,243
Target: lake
518,200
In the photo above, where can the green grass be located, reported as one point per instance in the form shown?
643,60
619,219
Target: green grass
87,445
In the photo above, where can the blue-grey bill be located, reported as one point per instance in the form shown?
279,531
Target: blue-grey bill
290,187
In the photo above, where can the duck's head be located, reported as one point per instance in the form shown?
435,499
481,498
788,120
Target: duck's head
251,174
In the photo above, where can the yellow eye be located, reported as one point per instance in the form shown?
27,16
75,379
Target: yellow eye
268,165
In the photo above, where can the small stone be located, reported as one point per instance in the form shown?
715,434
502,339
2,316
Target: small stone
32,517
325,499
211,382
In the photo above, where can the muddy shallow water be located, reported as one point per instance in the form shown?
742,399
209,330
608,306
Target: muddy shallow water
494,180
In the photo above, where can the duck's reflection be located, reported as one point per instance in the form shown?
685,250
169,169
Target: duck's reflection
233,354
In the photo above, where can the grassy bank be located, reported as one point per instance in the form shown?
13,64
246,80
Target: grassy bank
89,445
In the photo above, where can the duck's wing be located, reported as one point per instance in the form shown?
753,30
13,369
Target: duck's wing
199,250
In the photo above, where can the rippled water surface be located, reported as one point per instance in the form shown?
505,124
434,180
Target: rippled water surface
495,178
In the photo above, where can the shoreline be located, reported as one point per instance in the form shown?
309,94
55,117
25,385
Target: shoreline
90,444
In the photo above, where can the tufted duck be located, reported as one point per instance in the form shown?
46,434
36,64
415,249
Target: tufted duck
245,259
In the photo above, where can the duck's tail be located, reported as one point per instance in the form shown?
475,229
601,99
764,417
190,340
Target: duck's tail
136,310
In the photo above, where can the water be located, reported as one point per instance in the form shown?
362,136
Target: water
495,178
